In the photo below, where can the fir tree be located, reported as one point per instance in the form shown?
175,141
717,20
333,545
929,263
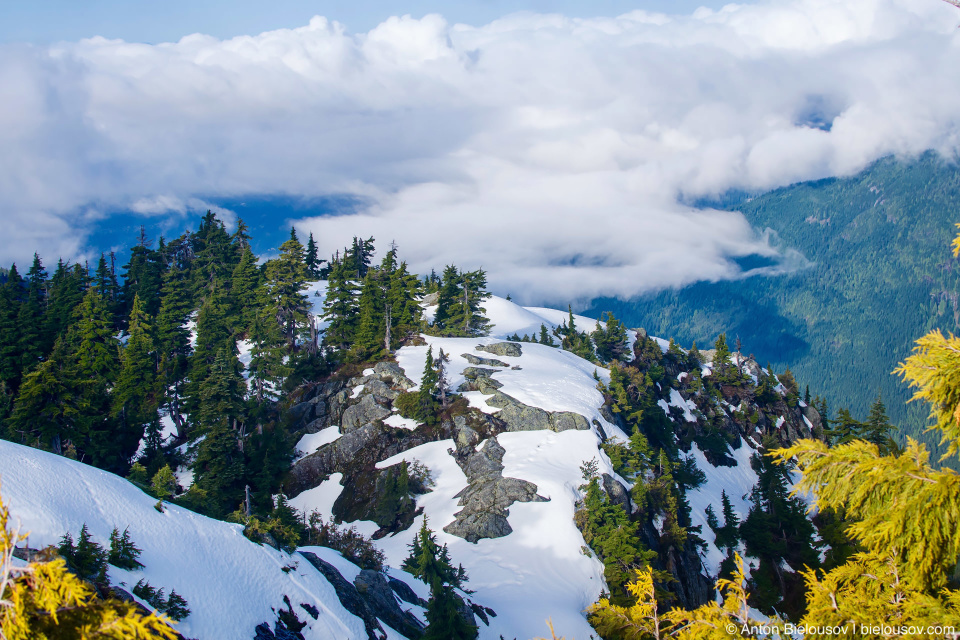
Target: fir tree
286,279
340,308
610,340
11,358
123,552
245,290
431,563
311,261
134,396
173,345
30,317
164,483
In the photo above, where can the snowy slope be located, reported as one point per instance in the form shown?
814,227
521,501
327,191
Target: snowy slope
230,583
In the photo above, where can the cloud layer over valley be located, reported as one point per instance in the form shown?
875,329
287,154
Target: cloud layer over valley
553,152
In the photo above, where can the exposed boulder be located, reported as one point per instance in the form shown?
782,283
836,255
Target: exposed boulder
478,379
488,362
486,499
511,349
405,593
617,493
391,373
370,408
522,417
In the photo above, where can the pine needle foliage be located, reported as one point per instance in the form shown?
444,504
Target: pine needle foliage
642,620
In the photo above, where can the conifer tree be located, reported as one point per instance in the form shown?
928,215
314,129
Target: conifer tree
431,563
11,359
47,409
286,279
721,361
340,308
66,290
268,368
311,260
134,396
123,552
143,277
426,405
164,483
245,290
173,345
610,340
448,294
30,317
545,337
372,306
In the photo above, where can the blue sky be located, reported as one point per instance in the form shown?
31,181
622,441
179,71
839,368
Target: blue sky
47,21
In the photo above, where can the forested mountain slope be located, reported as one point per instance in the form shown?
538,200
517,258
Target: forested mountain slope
879,274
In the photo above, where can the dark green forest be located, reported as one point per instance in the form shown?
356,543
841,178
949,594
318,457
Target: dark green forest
880,274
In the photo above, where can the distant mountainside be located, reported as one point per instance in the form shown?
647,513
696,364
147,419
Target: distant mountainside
881,275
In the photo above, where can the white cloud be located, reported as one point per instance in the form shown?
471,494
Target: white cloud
551,151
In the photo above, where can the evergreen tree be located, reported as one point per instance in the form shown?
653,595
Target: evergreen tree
448,295
245,290
143,278
268,368
134,396
286,278
105,280
426,405
341,311
545,337
96,366
164,483
214,334
372,307
311,260
431,563
11,358
721,361
216,256
67,288
611,340
173,345
30,314
123,552
48,408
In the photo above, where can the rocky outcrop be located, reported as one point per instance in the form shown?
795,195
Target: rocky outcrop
487,362
370,598
486,499
372,407
521,417
510,349
376,590
479,379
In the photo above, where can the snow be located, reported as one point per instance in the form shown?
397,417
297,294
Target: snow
737,481
313,441
230,583
688,407
549,378
398,421
320,498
